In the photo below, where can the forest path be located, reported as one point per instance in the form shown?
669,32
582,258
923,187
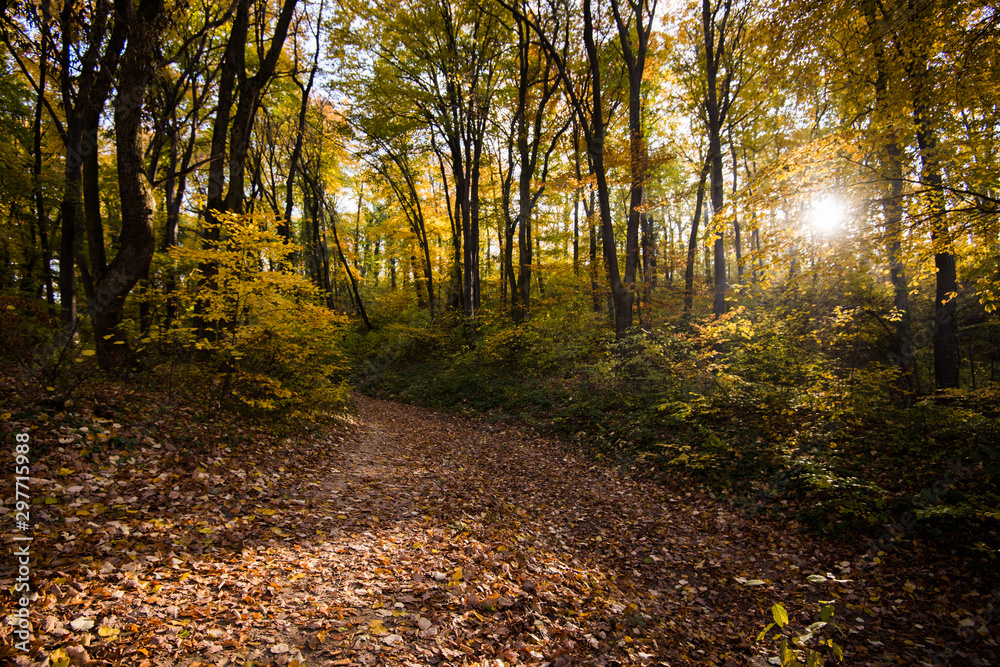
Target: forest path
403,536
633,572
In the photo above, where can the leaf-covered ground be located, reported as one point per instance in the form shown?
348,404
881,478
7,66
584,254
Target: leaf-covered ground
404,536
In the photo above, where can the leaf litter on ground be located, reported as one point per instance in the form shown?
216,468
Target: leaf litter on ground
403,536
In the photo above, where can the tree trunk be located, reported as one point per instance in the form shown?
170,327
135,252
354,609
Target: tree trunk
945,331
137,242
576,232
595,285
621,295
285,225
716,108
648,257
892,203
41,215
737,239
692,252
634,55
332,216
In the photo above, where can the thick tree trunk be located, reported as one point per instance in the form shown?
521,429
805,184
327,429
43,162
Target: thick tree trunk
137,203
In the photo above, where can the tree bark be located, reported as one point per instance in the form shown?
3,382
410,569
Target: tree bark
692,251
892,202
945,329
285,226
634,55
718,98
737,238
622,296
82,107
332,215
41,215
137,242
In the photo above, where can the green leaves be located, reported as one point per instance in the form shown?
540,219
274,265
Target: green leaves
808,647
826,613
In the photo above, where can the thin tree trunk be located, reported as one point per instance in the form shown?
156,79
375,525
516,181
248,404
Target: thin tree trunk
737,239
892,204
332,216
621,294
693,241
41,215
634,55
595,285
285,226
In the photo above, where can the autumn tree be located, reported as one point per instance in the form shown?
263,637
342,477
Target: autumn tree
724,26
589,101
535,133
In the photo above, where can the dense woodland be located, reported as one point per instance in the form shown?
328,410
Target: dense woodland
747,244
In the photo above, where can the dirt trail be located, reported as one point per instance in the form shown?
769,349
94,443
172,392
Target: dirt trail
678,569
409,537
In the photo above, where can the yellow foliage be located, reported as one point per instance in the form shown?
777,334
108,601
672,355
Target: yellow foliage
274,346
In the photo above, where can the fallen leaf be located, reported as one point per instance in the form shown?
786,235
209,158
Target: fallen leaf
59,658
81,624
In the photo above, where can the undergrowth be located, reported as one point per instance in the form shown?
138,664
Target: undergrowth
745,406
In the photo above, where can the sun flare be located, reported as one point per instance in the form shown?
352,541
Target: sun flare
827,214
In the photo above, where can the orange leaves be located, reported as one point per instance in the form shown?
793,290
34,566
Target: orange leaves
419,539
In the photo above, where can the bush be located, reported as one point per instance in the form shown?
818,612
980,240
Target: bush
42,360
24,328
257,330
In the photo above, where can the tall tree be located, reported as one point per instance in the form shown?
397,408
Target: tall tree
142,25
723,25
587,99
534,138
305,90
438,62
923,89
634,28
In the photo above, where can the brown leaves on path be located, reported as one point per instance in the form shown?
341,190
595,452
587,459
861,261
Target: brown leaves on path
409,537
